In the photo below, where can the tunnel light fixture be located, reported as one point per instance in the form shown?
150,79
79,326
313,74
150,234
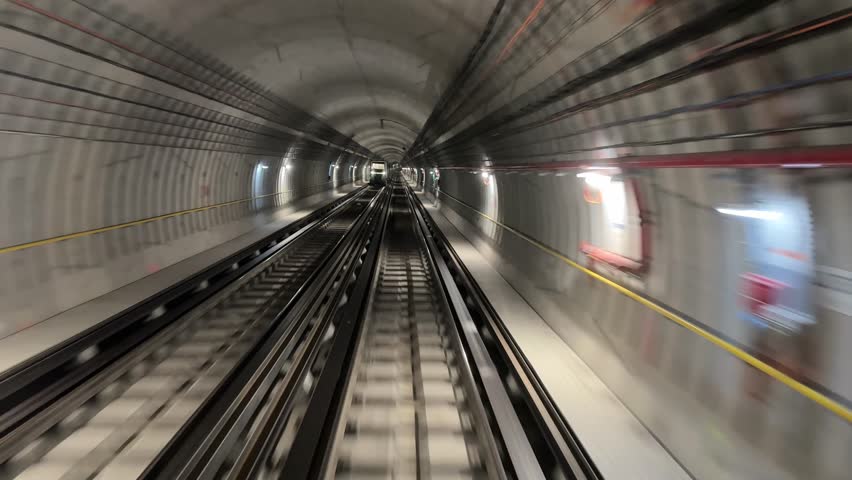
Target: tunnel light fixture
802,165
594,179
264,167
484,174
751,213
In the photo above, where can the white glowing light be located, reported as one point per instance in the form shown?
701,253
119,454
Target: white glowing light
264,167
601,168
750,213
615,204
595,179
484,174
802,165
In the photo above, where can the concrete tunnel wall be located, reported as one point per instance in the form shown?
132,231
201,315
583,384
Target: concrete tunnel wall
97,135
89,145
108,118
519,165
691,394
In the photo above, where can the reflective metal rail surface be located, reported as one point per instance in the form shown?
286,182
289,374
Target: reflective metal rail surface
414,385
113,424
409,413
357,347
241,432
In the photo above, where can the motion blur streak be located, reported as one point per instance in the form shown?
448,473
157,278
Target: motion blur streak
60,238
666,184
818,397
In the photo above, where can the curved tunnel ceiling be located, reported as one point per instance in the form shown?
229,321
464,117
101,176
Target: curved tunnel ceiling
375,70
472,83
372,69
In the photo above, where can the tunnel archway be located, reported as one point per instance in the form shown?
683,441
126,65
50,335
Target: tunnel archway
638,171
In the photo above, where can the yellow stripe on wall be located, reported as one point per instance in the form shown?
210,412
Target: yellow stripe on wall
143,221
829,404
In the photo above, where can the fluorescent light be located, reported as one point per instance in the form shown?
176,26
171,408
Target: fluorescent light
592,167
595,179
802,165
614,199
264,167
750,213
484,174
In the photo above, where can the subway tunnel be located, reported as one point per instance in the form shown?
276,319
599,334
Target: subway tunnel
533,239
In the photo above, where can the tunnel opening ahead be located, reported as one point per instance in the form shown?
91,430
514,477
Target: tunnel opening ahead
660,185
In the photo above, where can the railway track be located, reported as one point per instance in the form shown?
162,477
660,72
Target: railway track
359,348
116,422
408,413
